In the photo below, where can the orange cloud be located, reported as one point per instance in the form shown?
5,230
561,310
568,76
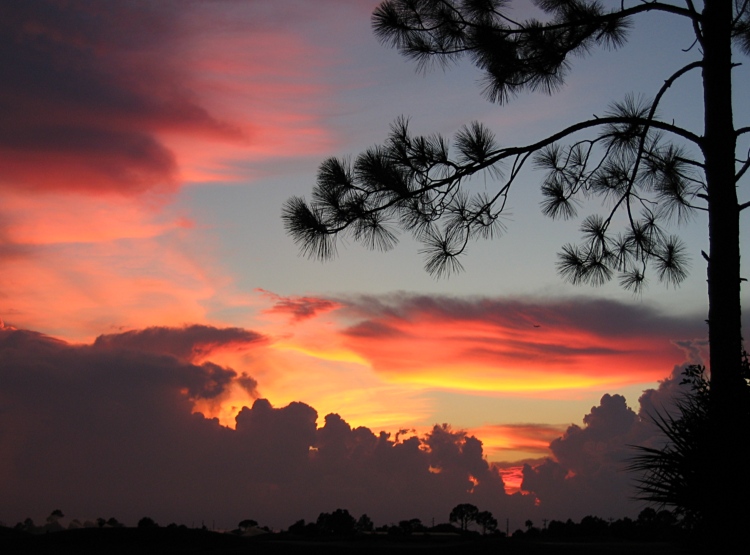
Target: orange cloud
503,442
513,346
78,290
58,218
378,360
512,478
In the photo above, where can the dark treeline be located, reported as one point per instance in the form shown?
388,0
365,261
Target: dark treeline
465,520
468,531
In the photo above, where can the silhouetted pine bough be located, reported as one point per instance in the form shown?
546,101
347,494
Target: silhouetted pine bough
648,169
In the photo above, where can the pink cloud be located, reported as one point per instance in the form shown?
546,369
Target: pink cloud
110,107
131,97
299,308
78,290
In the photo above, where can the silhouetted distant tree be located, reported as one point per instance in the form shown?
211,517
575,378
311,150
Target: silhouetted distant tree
244,525
114,523
623,528
559,529
147,522
649,172
464,514
337,523
410,526
364,524
486,521
593,526
54,516
298,527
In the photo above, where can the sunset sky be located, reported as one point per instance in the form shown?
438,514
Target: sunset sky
146,149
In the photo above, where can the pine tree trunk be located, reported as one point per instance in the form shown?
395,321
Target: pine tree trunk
725,457
724,326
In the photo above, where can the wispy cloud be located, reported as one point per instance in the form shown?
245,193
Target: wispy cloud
298,308
110,109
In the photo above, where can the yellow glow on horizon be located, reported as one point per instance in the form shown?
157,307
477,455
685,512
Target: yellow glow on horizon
332,355
482,379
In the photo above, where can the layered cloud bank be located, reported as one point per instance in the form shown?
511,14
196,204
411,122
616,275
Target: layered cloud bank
109,429
521,345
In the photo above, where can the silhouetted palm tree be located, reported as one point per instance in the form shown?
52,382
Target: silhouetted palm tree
675,475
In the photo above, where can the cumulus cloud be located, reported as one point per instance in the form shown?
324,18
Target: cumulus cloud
105,429
587,471
109,429
589,463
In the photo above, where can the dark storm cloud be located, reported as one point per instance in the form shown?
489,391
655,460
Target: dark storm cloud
108,430
587,473
606,317
100,430
87,86
372,329
551,352
186,343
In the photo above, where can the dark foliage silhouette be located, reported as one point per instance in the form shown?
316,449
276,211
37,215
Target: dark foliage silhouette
54,516
411,526
147,523
486,521
647,170
337,523
364,524
554,537
464,514
674,475
246,524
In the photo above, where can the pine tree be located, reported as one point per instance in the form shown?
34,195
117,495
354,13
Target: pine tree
638,161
